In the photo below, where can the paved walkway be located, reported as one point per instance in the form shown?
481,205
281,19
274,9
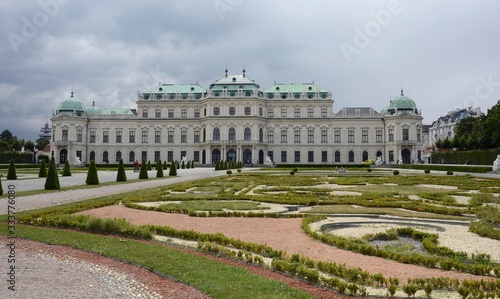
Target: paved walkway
23,203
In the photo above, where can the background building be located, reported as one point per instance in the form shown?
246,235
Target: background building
444,126
235,120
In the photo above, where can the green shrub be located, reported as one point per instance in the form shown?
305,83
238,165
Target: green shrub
173,169
1,190
369,170
11,175
292,172
427,171
192,163
229,172
449,172
165,164
238,170
143,174
395,172
52,180
43,170
149,165
121,176
66,170
92,177
159,169
188,164
183,165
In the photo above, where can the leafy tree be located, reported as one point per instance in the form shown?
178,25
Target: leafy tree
4,146
121,176
11,175
6,136
40,143
159,169
92,177
52,180
173,169
446,143
143,174
66,169
29,145
43,170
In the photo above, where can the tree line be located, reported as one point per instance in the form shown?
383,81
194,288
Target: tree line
10,142
471,133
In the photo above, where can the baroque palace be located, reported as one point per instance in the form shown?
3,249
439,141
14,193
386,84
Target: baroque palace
235,120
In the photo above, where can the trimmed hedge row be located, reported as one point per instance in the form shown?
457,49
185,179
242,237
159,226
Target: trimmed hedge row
478,157
460,168
18,157
328,166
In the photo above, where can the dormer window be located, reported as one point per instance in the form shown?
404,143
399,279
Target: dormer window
234,79
160,89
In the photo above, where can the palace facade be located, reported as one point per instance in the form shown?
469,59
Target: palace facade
234,119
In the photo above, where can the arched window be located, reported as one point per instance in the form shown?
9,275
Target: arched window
337,156
105,157
260,112
215,155
232,111
204,135
351,156
216,110
131,156
118,156
247,110
92,156
247,156
248,134
216,134
231,154
261,135
365,156
232,134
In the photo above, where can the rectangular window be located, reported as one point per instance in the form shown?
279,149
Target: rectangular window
337,156
170,113
79,135
105,136
157,155
64,135
336,136
283,137
270,136
418,134
270,154
184,136
296,136
197,113
196,156
310,112
324,156
170,137
144,156
297,156
183,154
391,134
79,155
323,112
296,112
144,136
196,137
270,112
405,134
391,156
310,136
324,136
350,136
378,136
157,113
310,156
170,156
364,136
184,113
157,136
145,113
283,156
131,136
118,136
283,112
92,137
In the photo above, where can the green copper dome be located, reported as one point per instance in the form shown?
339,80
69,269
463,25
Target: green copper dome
93,110
70,106
401,103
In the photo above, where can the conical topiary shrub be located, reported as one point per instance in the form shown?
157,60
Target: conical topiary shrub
177,165
159,169
43,170
121,176
92,177
1,190
192,163
11,175
66,169
52,180
143,175
165,164
149,165
173,169
217,167
183,165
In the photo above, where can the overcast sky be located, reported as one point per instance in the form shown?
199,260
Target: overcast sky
446,54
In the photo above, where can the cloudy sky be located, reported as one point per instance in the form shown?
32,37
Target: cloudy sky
446,54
